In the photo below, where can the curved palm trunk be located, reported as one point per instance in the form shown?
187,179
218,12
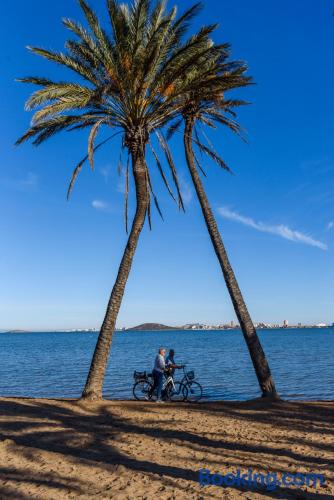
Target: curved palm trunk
94,383
253,343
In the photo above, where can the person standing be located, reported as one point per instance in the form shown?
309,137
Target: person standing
158,373
170,362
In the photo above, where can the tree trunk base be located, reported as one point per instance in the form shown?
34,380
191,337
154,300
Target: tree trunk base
270,397
91,396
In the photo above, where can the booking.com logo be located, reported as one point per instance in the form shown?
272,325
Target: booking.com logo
269,481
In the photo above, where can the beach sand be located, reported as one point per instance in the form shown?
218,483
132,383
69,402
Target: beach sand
54,449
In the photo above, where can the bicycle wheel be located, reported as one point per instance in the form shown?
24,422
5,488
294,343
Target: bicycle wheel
142,390
177,393
195,392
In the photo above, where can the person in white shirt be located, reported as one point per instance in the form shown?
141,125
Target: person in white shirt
158,372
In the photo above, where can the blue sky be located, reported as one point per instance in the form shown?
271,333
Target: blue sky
58,260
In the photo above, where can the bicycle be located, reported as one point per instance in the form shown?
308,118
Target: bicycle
171,391
194,388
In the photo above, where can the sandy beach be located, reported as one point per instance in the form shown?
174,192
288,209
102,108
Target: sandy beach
70,449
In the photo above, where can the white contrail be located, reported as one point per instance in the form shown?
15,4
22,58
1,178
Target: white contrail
280,230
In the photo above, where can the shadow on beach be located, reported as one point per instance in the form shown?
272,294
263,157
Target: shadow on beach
71,448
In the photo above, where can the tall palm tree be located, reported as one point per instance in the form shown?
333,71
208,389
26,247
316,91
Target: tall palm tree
207,105
129,80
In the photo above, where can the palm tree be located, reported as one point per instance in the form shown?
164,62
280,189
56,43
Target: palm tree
206,105
129,81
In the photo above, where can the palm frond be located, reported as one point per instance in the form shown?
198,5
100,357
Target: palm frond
214,156
61,92
174,127
161,171
126,195
91,139
152,193
149,217
100,35
199,166
170,162
36,80
47,128
69,62
79,166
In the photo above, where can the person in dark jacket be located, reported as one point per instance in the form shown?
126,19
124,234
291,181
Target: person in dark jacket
170,362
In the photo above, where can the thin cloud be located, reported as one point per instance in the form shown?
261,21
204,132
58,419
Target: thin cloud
27,183
318,167
186,191
105,172
280,230
100,205
120,187
330,225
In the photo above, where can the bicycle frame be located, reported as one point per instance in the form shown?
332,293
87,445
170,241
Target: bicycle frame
169,380
185,377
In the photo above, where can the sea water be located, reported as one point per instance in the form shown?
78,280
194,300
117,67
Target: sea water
56,364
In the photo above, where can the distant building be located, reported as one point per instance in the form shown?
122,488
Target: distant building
285,323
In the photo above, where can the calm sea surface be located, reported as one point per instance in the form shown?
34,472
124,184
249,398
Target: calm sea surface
56,364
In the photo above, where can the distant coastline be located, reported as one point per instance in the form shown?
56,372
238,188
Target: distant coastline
159,327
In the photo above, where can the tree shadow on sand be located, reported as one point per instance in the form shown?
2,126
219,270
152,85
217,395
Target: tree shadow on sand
95,435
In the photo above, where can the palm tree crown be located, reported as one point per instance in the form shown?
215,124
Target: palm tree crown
206,103
133,79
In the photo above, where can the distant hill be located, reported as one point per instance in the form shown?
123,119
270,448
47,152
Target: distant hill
17,331
152,326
